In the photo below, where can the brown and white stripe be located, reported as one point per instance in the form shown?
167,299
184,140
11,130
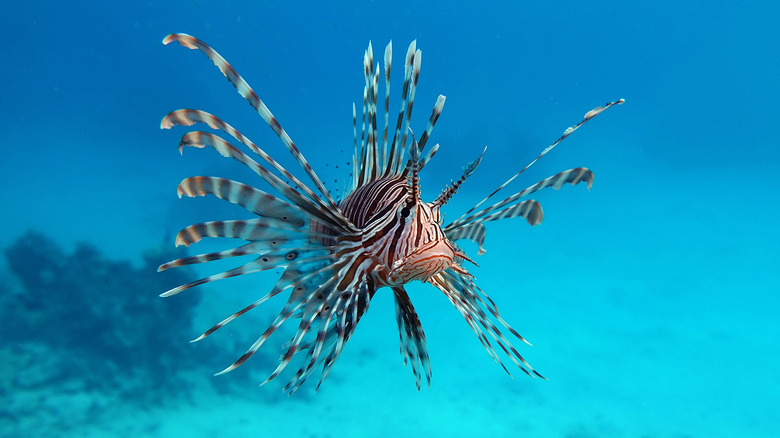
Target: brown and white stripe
334,257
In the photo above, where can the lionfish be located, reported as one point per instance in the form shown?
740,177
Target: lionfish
336,255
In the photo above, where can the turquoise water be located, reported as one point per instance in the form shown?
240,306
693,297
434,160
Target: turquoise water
650,299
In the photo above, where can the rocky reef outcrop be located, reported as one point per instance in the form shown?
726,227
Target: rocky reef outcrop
79,331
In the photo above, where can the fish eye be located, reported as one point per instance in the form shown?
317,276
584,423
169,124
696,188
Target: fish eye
405,212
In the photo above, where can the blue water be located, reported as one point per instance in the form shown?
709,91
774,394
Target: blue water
651,299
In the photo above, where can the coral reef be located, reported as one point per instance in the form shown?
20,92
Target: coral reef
102,310
80,331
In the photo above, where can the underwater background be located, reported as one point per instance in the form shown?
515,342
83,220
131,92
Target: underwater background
651,300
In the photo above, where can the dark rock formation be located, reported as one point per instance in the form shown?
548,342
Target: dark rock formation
101,319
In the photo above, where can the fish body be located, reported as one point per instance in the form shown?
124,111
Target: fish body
336,255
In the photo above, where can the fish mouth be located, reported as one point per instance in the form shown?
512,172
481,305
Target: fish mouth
423,263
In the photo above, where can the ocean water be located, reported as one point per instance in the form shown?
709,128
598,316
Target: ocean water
650,299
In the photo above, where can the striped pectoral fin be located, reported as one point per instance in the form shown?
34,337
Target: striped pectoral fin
337,322
268,260
301,278
252,199
307,321
323,340
249,248
249,94
280,319
188,117
412,337
571,176
529,210
334,313
474,232
247,268
314,206
533,214
589,115
283,284
273,231
355,293
343,328
327,315
462,293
